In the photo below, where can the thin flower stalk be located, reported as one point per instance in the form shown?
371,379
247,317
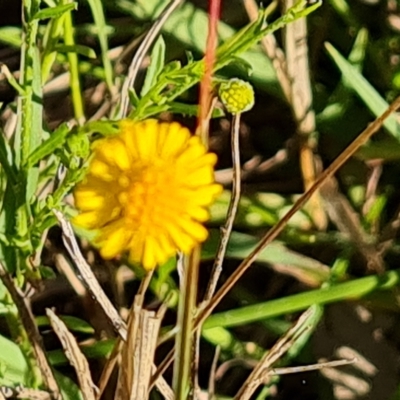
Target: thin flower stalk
237,97
232,210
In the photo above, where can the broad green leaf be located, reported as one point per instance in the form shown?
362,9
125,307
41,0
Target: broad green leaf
13,366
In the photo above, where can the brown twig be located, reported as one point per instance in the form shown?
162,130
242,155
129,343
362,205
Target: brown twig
213,374
312,367
74,355
33,333
347,221
98,294
138,351
21,392
88,276
263,368
389,233
253,167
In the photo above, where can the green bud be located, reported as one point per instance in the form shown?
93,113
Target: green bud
236,95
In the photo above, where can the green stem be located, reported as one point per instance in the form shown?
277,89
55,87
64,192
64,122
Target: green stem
184,340
76,91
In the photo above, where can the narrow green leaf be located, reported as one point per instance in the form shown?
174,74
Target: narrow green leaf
55,141
11,35
55,12
6,160
69,390
76,48
193,36
192,110
102,31
73,324
240,245
233,47
367,93
351,290
11,80
157,60
73,63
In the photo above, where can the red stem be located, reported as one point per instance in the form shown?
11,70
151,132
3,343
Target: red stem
209,59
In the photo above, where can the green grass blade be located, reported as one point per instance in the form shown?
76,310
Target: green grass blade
76,91
240,245
77,49
55,12
6,161
157,60
96,7
11,35
367,93
354,289
54,142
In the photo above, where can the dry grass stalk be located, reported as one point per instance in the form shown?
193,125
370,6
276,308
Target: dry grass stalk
296,50
313,367
98,295
88,276
263,369
33,333
347,221
137,353
74,355
213,374
144,47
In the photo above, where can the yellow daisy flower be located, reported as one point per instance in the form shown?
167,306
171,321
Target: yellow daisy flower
147,191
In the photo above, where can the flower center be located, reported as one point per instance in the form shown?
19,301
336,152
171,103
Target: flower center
149,195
